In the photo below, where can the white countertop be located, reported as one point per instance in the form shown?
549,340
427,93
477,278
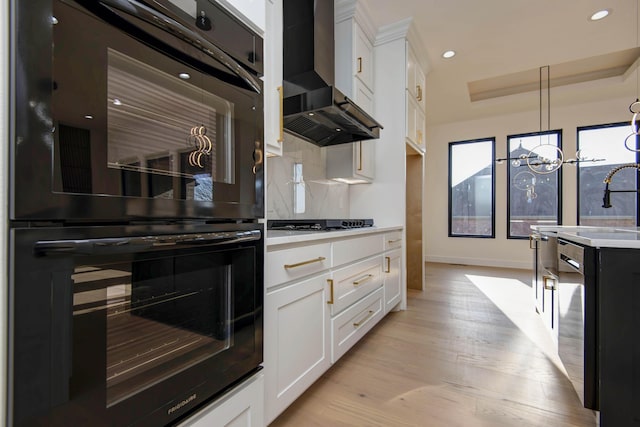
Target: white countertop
597,237
281,237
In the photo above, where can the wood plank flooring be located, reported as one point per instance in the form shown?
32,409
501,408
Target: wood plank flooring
469,351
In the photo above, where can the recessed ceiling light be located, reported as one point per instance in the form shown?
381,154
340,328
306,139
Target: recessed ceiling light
88,117
184,76
116,101
449,54
601,14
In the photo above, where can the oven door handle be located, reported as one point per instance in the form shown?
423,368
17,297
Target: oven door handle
139,244
180,30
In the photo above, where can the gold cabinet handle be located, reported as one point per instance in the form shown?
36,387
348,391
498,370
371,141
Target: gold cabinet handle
546,285
419,90
330,282
369,314
359,64
281,92
391,242
388,258
362,279
300,264
360,156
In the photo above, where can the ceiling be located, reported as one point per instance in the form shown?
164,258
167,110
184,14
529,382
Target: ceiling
501,45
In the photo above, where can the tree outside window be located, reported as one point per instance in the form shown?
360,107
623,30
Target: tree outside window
472,188
533,195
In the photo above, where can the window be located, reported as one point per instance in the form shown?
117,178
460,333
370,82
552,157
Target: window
472,188
607,142
533,192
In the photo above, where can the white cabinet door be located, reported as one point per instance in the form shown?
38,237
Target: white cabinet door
392,279
273,125
241,407
363,96
297,341
363,57
365,157
352,163
420,82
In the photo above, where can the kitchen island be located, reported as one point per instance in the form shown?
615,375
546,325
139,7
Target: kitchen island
598,271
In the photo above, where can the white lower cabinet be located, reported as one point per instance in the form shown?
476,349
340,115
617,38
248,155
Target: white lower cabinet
392,268
242,406
322,296
297,345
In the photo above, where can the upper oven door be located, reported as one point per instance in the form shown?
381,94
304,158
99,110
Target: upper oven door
124,112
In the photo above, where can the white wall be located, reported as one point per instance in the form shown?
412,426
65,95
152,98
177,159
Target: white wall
501,251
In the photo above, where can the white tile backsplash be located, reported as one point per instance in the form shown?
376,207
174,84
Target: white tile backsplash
323,198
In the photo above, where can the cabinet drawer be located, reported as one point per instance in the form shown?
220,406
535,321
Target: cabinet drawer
353,282
352,324
283,265
349,250
393,240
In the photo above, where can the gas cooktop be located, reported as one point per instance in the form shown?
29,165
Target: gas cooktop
317,224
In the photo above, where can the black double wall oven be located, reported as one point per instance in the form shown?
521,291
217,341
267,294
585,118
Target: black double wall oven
136,261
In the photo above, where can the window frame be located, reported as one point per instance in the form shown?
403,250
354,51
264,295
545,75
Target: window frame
557,132
637,160
452,144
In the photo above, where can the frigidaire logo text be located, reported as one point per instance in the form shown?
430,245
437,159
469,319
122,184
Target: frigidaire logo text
181,404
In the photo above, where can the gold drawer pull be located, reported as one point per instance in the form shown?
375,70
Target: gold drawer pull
300,264
281,135
391,242
388,270
419,90
359,64
369,314
330,282
363,279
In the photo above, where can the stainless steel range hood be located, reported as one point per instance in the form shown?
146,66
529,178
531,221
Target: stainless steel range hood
314,109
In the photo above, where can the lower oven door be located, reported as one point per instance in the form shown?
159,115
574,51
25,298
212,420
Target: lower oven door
127,326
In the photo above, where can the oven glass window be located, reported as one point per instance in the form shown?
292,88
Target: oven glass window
131,121
161,315
167,127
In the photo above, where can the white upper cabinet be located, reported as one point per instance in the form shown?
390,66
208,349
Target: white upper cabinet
354,57
273,124
352,163
415,101
354,53
363,63
415,78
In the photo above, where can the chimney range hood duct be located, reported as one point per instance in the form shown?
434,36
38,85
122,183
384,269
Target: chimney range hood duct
313,108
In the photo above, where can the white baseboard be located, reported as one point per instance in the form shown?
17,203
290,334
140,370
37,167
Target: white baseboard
528,265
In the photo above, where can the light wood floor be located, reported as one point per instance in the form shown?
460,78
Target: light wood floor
469,351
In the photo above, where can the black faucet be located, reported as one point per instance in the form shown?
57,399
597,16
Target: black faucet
606,200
